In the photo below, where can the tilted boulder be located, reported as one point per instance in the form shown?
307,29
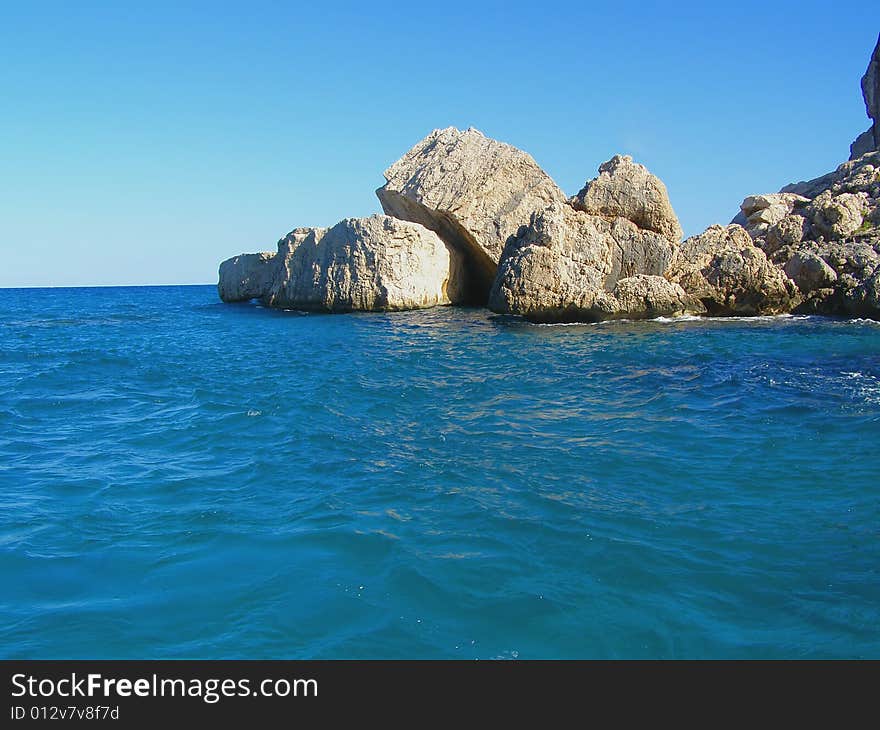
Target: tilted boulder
870,139
568,265
724,269
475,192
626,189
360,264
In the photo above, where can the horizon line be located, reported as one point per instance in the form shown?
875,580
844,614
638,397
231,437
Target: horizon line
100,286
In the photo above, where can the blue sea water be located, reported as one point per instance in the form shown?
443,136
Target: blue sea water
183,478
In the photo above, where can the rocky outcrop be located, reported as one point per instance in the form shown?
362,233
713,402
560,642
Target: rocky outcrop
853,176
470,219
730,275
573,265
825,233
246,277
870,139
827,240
838,278
626,189
810,272
837,216
645,297
759,212
360,264
473,191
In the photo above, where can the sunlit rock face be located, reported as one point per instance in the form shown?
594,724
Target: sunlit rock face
360,264
475,192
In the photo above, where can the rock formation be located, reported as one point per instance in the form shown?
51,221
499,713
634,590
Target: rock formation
827,239
840,279
473,191
626,189
577,261
365,264
470,220
759,212
644,297
824,234
730,275
869,140
246,277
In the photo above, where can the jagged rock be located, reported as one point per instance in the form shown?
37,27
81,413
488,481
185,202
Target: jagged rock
828,244
473,191
643,297
810,272
759,212
366,264
853,290
863,144
770,208
837,216
565,265
731,276
870,140
246,277
854,176
789,231
838,205
626,189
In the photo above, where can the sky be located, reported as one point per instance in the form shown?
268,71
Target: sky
143,143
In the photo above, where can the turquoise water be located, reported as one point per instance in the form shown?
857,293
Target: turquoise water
183,478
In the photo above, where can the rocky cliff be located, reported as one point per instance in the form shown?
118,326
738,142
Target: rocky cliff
824,234
869,140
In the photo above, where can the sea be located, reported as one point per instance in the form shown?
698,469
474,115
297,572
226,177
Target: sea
183,478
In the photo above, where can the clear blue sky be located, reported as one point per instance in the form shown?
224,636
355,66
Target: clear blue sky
144,142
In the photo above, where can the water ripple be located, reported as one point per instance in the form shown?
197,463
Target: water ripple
183,478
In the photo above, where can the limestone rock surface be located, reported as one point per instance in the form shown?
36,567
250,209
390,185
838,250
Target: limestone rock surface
730,275
759,212
360,264
840,278
645,297
566,265
837,216
475,192
626,189
828,242
810,272
854,176
246,277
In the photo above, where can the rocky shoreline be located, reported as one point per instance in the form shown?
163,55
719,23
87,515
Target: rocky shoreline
470,220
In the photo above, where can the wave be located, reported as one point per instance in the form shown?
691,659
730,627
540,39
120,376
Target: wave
682,319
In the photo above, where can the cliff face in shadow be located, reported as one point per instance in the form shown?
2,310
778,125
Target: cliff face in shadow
869,140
